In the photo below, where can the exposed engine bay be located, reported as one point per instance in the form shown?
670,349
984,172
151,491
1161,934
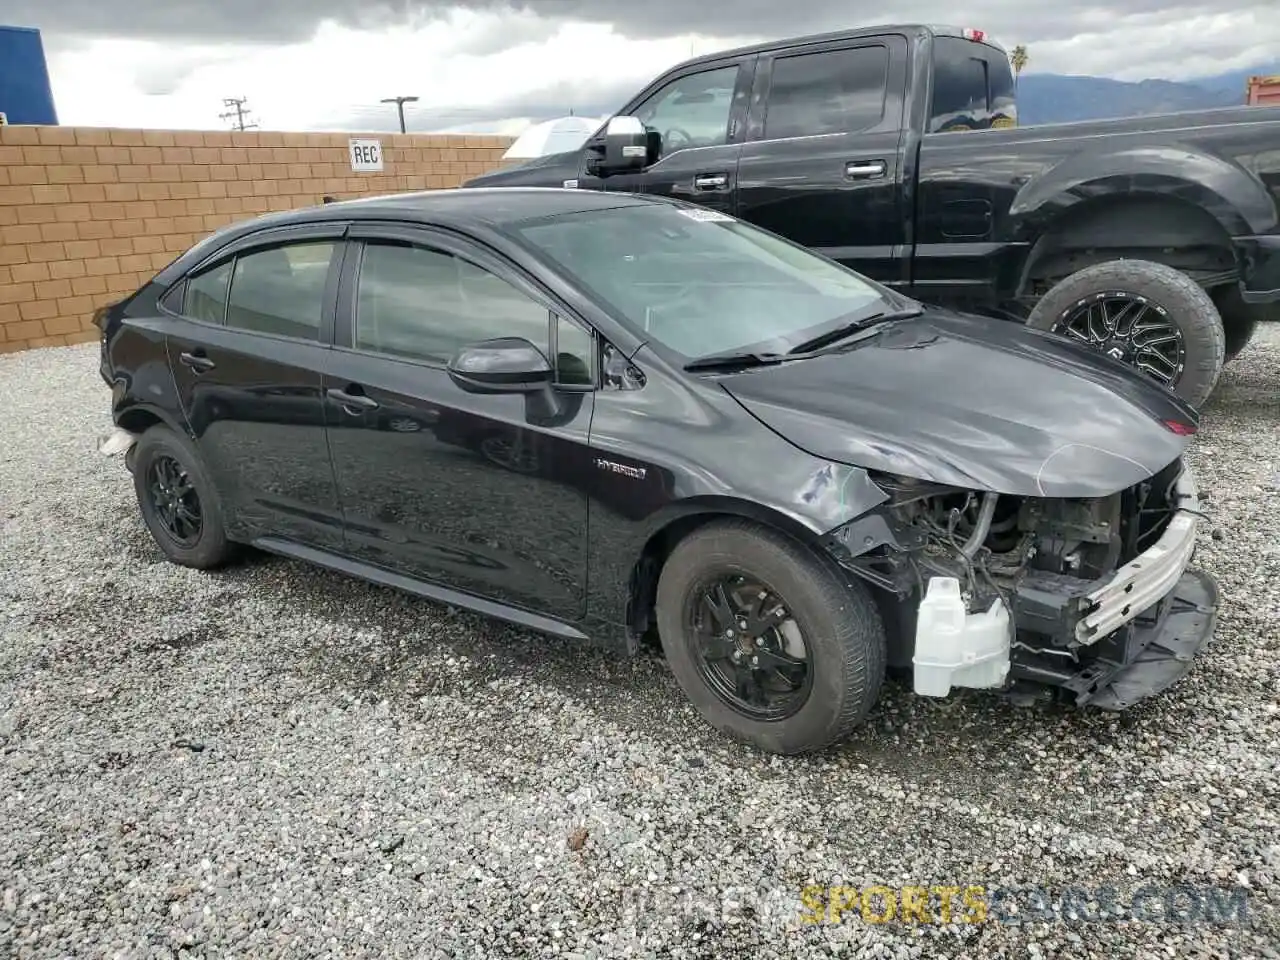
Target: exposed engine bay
1083,585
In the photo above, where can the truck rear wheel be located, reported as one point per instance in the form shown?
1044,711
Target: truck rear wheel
1239,319
1143,313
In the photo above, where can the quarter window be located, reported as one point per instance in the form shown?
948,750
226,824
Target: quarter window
575,354
427,304
692,111
205,295
280,290
835,91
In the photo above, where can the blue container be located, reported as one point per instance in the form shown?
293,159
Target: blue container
25,93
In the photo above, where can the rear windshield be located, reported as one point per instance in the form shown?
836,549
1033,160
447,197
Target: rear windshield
973,87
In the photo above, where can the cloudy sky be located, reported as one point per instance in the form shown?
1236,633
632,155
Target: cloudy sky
490,64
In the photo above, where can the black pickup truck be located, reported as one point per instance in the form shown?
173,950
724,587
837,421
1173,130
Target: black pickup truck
1155,239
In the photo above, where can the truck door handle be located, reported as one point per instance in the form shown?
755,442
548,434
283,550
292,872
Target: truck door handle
197,361
352,403
865,169
711,181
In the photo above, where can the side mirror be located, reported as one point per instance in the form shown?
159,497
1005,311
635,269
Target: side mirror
504,365
626,146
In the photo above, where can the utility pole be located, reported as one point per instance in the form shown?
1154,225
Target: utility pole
400,102
239,110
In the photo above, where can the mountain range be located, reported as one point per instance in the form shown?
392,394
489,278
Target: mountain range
1055,98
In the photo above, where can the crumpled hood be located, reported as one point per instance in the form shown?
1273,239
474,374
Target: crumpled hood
980,403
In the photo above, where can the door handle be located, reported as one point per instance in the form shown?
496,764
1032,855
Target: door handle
352,403
865,169
711,181
196,361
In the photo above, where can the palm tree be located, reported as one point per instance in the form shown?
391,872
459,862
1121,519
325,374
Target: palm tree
1019,60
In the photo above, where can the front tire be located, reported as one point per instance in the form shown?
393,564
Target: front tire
770,645
1146,314
178,501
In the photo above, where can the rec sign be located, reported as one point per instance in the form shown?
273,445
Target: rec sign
366,155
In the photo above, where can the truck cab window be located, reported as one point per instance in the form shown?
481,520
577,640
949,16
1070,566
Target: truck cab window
692,111
835,91
972,87
1003,91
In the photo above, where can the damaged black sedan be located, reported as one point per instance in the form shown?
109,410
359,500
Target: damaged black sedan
632,419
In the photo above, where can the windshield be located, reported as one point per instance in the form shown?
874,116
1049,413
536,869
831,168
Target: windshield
699,282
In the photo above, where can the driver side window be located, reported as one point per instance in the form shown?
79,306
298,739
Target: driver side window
692,111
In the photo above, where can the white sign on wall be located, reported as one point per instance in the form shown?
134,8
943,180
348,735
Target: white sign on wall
366,155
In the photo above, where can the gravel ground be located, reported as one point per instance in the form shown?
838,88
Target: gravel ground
276,760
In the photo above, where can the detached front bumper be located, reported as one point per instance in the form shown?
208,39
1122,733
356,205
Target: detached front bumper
1125,637
1161,653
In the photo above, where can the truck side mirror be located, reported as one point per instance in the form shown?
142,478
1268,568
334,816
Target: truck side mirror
626,146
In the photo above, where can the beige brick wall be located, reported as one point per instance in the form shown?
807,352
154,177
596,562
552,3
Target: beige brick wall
88,214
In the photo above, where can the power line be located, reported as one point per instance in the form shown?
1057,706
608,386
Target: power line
239,110
400,102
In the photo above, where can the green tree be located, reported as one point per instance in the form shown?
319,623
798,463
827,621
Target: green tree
1019,60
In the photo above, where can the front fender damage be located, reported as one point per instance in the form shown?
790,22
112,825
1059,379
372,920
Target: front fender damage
1099,601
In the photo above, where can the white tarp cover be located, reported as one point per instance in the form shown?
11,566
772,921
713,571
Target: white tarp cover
552,136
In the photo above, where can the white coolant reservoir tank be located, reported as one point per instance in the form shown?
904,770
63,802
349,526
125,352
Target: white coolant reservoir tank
955,648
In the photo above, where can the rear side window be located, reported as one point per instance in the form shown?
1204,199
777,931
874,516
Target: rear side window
280,290
835,91
205,295
972,87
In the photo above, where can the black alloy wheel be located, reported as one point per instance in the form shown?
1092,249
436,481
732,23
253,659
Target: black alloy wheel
1150,316
175,500
752,653
1130,328
771,643
178,500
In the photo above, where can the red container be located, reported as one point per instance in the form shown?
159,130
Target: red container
1263,92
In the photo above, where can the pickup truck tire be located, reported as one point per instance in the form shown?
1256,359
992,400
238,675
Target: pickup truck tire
1159,301
1239,319
742,609
1238,337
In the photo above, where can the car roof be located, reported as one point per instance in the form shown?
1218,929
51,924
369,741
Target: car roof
460,206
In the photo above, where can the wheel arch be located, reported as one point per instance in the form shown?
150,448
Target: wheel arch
1144,225
1235,198
140,417
677,522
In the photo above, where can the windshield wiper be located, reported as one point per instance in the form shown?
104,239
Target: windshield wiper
852,327
721,361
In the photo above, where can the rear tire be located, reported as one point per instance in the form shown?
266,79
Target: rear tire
178,501
837,622
1239,319
1171,299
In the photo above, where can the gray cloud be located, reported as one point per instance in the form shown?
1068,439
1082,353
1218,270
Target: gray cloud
543,103
243,21
518,29
1132,39
285,20
165,75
